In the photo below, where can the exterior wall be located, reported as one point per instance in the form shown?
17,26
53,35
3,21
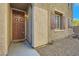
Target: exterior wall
2,28
40,32
40,25
42,15
63,8
9,25
4,42
29,25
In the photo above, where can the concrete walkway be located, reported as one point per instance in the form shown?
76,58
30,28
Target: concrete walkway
21,49
62,47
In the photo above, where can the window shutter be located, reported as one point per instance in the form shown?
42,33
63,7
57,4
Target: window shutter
63,22
53,23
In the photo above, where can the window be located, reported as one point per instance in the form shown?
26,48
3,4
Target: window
70,5
58,20
57,17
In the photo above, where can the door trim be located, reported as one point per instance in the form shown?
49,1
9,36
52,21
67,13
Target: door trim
18,10
12,26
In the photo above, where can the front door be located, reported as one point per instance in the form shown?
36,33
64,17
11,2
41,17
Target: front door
18,25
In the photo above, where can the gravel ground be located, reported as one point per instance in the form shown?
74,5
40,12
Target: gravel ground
63,47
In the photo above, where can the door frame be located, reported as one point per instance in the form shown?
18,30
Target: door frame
12,22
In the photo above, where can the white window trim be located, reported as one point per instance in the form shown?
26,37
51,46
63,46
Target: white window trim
58,30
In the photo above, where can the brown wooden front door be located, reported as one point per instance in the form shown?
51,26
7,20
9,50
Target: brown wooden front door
18,25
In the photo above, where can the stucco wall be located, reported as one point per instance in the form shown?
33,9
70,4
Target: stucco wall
29,25
9,25
42,32
57,35
4,28
40,26
63,8
38,22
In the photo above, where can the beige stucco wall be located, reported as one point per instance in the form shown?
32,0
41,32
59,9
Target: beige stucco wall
9,25
57,35
4,29
40,17
40,26
63,8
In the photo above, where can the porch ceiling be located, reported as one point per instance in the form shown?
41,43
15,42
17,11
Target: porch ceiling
22,6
